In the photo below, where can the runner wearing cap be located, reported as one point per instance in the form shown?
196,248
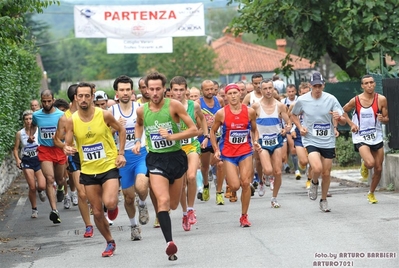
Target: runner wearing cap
318,130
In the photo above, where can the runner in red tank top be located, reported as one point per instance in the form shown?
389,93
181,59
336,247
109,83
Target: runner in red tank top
237,122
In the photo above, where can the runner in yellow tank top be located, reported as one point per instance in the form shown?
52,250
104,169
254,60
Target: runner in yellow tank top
99,158
74,163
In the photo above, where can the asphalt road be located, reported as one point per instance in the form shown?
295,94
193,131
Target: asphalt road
296,235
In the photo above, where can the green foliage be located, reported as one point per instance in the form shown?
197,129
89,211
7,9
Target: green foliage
191,58
345,154
19,78
19,73
349,31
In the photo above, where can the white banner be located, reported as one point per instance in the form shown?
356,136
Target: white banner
143,22
139,46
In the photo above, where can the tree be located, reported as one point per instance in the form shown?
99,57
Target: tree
191,58
351,32
19,73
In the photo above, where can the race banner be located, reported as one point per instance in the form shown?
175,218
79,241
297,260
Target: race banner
139,46
143,22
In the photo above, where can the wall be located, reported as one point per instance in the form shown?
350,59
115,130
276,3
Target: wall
8,173
390,171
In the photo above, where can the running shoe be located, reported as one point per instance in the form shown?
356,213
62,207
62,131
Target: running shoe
55,216
35,213
135,233
244,221
329,194
60,194
74,197
287,168
112,214
192,218
324,206
199,196
219,198
67,202
275,204
89,231
156,223
312,193
210,174
252,190
297,175
255,184
271,180
171,250
262,189
227,194
143,214
371,198
205,193
109,250
42,196
364,171
308,184
233,197
266,179
110,223
185,223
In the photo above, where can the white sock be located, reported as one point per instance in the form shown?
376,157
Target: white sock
133,221
185,213
141,203
190,208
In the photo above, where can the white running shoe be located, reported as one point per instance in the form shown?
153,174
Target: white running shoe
74,197
297,175
324,206
67,202
262,190
271,180
42,196
35,213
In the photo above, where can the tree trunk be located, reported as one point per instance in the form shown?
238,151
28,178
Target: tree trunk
340,57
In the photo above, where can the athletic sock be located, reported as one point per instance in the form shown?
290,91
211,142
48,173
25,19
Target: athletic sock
133,221
166,225
294,159
141,203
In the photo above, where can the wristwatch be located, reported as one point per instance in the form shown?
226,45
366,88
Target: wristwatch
136,141
207,136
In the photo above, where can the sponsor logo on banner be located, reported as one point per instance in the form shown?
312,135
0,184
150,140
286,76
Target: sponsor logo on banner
145,21
189,27
138,30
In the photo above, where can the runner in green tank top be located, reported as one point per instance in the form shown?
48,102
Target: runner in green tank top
166,162
178,87
160,119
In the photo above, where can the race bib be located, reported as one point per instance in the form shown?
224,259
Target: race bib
185,141
30,151
47,133
269,140
93,152
321,130
158,142
368,134
130,134
238,136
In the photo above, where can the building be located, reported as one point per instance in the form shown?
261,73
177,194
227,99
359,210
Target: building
239,60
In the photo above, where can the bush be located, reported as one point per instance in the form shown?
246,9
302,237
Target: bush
19,76
345,153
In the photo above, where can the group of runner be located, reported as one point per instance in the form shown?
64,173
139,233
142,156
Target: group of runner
156,144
